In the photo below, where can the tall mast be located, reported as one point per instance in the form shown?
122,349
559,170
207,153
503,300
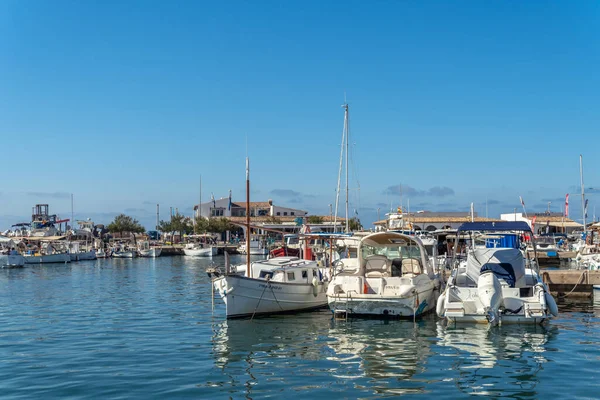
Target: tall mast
337,190
72,215
347,128
582,191
248,217
157,216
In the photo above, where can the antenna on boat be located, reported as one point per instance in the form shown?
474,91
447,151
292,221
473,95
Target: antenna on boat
346,124
72,217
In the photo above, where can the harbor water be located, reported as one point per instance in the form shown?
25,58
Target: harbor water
145,328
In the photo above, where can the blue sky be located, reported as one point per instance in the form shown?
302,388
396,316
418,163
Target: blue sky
125,104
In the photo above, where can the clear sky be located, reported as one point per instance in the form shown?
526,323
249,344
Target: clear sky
126,103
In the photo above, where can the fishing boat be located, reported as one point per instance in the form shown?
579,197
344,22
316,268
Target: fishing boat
121,251
200,250
144,250
48,253
395,278
498,282
78,253
277,285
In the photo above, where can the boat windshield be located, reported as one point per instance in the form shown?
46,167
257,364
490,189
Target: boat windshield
391,252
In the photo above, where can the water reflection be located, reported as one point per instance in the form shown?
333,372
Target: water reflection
500,361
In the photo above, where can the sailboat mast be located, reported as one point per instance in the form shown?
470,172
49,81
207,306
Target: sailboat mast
248,218
347,128
339,180
582,191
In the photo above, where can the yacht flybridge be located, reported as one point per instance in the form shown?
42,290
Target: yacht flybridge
497,283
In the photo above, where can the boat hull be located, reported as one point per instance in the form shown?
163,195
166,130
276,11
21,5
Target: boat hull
374,305
154,252
48,259
245,297
124,254
12,261
83,256
206,252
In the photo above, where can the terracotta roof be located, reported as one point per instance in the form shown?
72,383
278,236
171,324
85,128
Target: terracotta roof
253,204
283,219
552,218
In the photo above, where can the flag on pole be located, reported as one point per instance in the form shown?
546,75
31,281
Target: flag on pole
585,207
229,206
522,202
567,205
212,197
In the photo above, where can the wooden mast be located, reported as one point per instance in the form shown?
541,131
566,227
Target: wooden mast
248,217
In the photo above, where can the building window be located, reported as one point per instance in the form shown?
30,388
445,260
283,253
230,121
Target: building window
291,276
278,213
285,213
217,212
291,213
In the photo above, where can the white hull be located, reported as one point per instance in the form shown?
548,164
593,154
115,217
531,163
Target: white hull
154,252
12,261
124,254
245,297
47,259
384,306
102,254
206,252
259,252
83,256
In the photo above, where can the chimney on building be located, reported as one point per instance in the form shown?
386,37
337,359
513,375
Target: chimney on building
270,202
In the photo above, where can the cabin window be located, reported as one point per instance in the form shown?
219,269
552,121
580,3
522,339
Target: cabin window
265,275
314,272
304,274
278,213
291,276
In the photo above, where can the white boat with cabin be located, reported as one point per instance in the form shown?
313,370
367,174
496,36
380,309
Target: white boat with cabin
145,250
395,279
122,251
258,246
277,285
497,283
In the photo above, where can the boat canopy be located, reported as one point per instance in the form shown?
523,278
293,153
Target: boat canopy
381,250
507,264
495,226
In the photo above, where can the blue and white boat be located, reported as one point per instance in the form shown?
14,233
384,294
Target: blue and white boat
498,282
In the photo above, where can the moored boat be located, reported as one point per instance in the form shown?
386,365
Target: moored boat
277,285
395,278
497,283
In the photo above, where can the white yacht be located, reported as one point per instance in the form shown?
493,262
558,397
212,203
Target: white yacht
496,283
395,278
277,285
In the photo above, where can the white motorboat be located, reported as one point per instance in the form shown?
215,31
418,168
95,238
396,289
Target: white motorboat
496,283
257,247
277,285
200,250
395,279
124,252
101,253
145,250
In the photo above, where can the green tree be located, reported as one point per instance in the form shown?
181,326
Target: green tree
354,224
314,219
219,225
125,223
178,223
201,225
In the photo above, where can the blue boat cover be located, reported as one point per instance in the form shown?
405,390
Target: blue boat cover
507,241
495,226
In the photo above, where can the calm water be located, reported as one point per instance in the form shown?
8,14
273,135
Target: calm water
145,329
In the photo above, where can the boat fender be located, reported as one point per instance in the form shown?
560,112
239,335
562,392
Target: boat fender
441,302
315,282
228,291
551,304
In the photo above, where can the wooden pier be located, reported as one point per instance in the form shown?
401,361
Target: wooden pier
575,283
